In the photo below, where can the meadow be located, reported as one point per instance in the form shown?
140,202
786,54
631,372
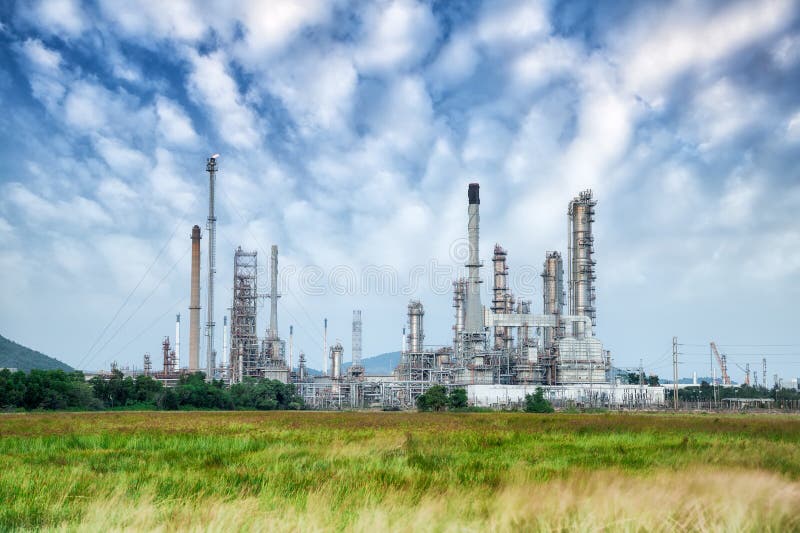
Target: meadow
373,471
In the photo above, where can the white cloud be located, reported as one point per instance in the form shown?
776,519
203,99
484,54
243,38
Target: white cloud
269,28
513,22
663,45
793,127
44,72
546,62
398,35
211,85
737,205
122,159
174,124
176,19
175,195
456,61
786,52
57,17
77,212
721,111
317,89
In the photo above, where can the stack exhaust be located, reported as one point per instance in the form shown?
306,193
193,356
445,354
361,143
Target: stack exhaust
473,309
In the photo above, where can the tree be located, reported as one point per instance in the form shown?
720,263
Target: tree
458,399
536,402
434,399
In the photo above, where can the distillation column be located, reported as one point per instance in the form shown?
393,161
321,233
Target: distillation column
459,294
194,304
581,264
553,292
501,300
416,334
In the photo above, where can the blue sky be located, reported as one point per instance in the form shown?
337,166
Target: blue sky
348,133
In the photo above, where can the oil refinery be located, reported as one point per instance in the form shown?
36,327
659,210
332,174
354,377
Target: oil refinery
501,350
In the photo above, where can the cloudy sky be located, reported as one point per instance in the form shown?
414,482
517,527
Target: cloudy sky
349,132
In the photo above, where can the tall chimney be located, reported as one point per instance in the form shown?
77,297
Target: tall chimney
474,311
178,339
194,304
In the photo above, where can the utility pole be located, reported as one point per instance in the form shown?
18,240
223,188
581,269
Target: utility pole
675,372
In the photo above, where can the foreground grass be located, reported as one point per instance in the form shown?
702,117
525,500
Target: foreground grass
407,471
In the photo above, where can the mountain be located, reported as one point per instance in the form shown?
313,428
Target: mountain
13,355
378,364
381,364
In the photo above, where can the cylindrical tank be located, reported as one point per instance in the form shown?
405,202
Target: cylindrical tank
416,334
194,303
336,360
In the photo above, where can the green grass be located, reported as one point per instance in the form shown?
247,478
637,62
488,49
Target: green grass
407,471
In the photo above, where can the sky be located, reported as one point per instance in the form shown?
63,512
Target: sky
348,132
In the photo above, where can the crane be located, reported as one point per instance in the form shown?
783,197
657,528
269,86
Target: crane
723,364
746,371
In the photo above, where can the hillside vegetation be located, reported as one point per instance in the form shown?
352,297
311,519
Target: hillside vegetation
13,355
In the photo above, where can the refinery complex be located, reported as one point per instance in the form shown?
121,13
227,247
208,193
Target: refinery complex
501,350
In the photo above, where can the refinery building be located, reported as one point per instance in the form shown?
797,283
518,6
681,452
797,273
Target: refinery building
501,350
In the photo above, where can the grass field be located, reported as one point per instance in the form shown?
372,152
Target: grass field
398,471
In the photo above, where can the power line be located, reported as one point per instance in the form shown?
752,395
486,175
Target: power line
114,335
127,299
170,309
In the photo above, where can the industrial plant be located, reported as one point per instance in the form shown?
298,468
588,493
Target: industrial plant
501,350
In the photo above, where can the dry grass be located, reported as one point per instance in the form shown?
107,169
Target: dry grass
398,471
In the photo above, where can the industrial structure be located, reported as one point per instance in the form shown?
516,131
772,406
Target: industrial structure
498,352
502,352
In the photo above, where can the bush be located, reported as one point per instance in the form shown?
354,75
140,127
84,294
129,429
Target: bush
434,399
536,402
458,399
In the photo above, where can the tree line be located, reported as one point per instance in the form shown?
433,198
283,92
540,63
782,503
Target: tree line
59,390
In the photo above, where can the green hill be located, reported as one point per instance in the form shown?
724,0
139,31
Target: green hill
13,355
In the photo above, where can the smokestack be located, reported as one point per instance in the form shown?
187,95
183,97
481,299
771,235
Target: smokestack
291,341
194,304
325,347
178,339
474,312
211,168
